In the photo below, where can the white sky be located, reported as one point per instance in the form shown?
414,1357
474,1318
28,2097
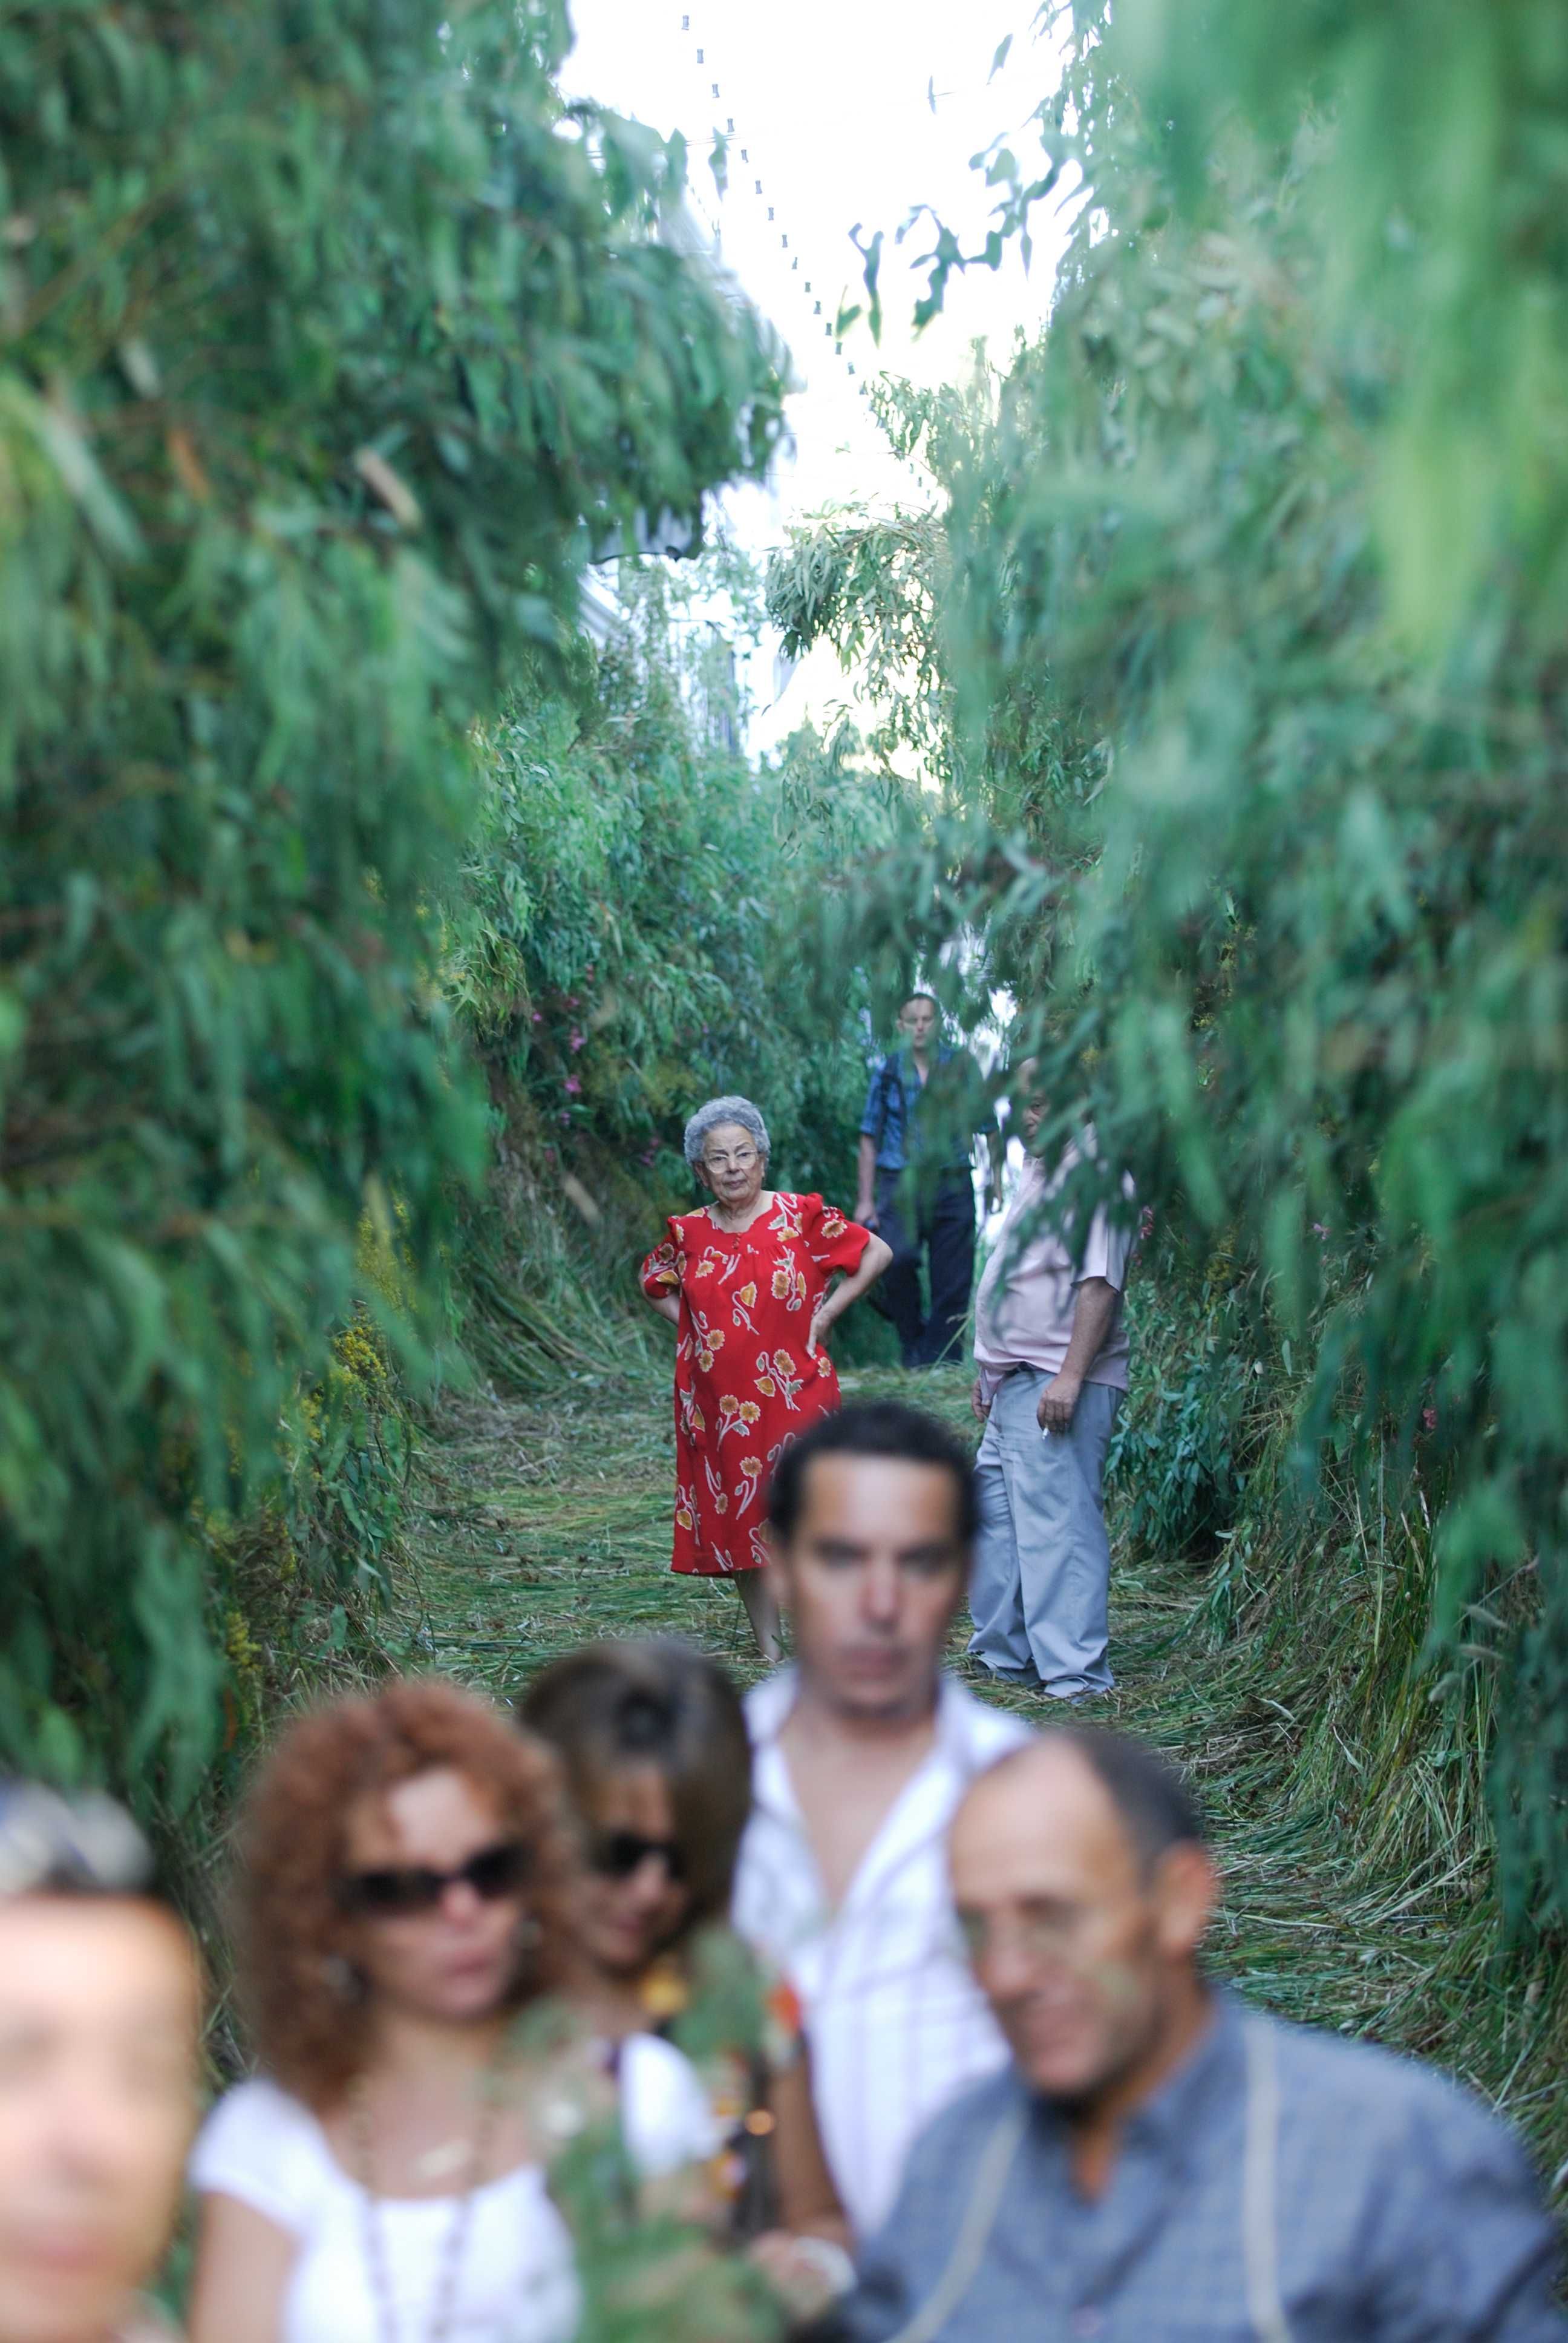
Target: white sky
830,99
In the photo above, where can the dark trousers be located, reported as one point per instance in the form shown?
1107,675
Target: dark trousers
935,1219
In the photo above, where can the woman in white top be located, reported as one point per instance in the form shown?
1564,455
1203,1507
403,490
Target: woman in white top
403,1869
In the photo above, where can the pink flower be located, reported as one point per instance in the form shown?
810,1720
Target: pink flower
574,1088
578,1040
1319,1229
538,1017
1429,1417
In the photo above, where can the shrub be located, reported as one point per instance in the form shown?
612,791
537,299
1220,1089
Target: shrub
329,334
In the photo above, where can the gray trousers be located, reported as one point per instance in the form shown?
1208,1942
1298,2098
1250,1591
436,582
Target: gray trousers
1041,1586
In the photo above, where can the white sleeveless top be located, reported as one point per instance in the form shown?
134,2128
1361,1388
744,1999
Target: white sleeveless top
517,2282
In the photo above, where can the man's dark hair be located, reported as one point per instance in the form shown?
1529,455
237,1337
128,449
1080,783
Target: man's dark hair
919,993
1152,1797
882,1427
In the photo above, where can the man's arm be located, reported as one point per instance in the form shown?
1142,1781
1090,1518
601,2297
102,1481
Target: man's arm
1093,1314
982,1121
995,1144
866,1201
872,1123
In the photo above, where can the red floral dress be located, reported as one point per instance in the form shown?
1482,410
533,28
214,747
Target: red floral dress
744,1387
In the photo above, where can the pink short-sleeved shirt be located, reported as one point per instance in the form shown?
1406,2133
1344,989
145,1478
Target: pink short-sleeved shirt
1023,1310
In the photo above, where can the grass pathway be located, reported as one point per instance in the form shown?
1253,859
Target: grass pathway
545,1523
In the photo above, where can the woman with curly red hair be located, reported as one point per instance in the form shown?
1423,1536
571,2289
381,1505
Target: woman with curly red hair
404,1866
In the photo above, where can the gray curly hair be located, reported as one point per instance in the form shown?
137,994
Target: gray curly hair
731,1109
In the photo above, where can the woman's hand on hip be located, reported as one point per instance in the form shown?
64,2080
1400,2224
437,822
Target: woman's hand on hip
822,1318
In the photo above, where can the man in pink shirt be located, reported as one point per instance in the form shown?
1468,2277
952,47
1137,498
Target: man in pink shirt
1050,1355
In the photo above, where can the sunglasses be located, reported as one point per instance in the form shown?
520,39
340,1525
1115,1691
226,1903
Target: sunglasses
494,1872
616,1854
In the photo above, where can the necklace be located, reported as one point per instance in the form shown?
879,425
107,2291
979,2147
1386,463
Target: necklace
455,2243
730,1228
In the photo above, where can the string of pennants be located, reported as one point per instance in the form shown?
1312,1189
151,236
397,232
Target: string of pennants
759,195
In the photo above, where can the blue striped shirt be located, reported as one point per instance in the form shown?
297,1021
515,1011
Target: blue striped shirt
933,1121
1402,2212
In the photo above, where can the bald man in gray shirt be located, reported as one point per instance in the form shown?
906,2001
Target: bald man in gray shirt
1160,2164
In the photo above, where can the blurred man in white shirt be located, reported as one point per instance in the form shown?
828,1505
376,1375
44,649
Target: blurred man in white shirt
862,1752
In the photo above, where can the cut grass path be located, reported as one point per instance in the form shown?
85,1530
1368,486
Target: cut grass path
544,1523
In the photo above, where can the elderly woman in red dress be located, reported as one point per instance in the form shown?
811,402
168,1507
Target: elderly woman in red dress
747,1282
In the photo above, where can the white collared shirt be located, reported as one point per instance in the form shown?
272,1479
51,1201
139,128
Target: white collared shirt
896,2024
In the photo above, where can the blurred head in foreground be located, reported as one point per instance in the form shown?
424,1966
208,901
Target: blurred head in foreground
100,2006
653,1741
871,1515
1084,1889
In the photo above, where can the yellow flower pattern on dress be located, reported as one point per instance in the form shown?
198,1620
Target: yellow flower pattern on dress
783,1377
692,1420
735,1414
658,1270
789,1286
740,1364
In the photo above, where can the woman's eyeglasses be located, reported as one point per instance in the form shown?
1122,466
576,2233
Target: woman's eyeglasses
616,1854
741,1163
494,1872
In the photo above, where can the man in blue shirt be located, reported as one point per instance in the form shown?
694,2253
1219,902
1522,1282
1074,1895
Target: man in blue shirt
1160,2164
925,1103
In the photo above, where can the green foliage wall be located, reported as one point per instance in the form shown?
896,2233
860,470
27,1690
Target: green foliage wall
327,340
627,944
1252,646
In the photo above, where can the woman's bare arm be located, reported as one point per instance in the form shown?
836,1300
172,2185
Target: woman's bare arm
667,1304
812,2228
808,2201
242,2262
832,1306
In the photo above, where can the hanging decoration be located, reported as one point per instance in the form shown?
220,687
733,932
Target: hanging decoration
829,328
